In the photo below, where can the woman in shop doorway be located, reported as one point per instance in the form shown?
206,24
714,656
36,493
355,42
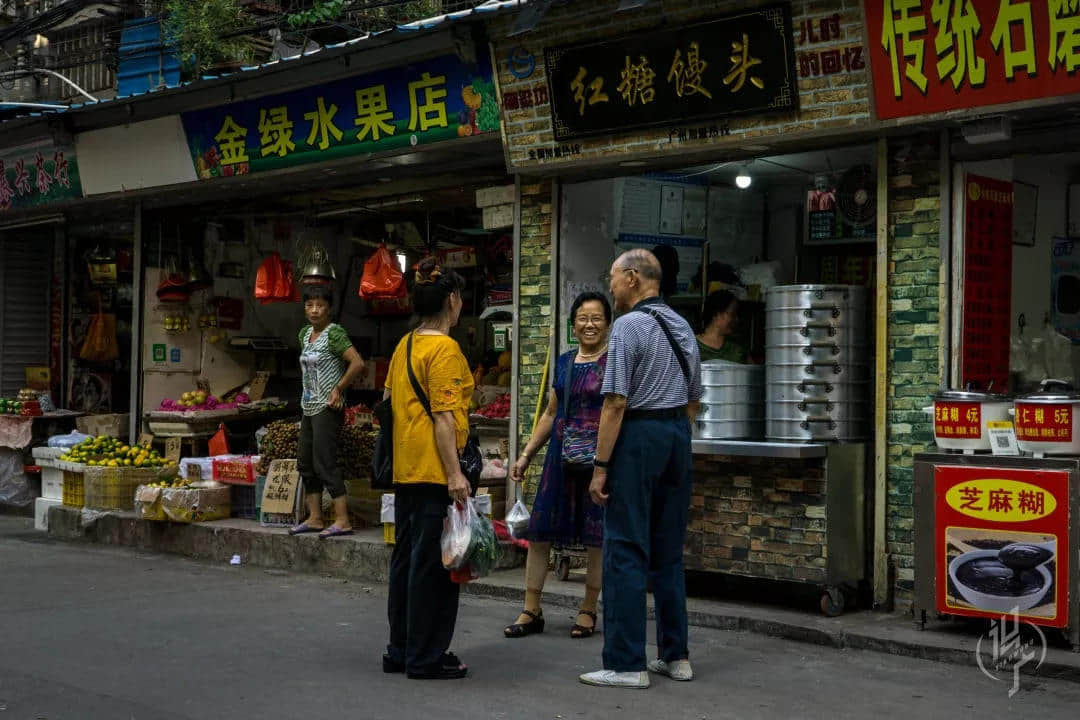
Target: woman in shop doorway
563,512
718,320
423,599
329,363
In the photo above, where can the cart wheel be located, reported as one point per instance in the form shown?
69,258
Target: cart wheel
832,602
563,572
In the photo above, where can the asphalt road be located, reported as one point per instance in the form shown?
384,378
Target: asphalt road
89,633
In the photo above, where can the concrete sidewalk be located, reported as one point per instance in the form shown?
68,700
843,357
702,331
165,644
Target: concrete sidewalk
366,557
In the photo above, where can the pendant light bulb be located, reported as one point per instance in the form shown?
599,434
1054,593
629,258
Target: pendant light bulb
743,179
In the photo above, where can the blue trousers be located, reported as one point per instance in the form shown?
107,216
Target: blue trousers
644,532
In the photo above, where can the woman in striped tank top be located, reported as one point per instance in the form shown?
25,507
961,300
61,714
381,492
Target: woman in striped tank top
329,363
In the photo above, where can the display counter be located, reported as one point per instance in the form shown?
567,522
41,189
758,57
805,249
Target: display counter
753,448
781,511
995,536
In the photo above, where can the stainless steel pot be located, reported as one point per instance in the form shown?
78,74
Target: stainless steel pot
723,394
966,431
821,300
731,411
730,429
827,371
847,412
816,389
821,429
723,373
1046,421
807,331
817,352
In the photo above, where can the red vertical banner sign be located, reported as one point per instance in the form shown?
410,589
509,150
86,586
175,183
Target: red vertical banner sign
1002,542
988,227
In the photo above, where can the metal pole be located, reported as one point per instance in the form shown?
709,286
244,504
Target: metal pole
135,398
515,339
881,377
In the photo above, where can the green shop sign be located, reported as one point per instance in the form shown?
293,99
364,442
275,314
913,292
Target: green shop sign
425,102
38,175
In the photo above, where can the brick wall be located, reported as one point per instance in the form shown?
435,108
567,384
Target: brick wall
914,368
758,516
827,100
534,310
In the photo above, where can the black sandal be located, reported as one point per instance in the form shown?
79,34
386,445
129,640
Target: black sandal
520,630
579,632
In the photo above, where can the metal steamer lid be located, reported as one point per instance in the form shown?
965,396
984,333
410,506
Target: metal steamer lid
970,396
1052,391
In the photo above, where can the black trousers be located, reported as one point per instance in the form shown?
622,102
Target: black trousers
423,601
318,462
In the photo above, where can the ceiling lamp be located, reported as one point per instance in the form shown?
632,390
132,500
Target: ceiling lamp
743,179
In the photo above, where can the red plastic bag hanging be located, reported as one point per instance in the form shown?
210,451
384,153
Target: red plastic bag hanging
382,277
268,278
219,444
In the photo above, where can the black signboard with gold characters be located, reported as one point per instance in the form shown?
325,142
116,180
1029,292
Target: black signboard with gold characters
741,64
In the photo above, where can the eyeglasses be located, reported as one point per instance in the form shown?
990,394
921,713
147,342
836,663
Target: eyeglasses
606,277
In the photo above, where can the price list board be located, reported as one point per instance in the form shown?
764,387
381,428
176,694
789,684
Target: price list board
988,219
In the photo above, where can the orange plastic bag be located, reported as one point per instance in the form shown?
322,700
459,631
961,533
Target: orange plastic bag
100,345
382,277
268,278
219,444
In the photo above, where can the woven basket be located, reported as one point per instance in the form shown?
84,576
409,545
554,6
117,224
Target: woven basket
113,488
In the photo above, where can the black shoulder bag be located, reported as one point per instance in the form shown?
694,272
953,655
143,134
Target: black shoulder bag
382,458
472,462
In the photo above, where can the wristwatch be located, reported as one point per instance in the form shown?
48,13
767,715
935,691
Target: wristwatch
602,464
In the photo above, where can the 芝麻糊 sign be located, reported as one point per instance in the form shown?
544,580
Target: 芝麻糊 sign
38,175
428,101
1002,542
741,64
930,56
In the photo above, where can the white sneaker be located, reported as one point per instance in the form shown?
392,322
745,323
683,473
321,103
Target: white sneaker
610,678
678,670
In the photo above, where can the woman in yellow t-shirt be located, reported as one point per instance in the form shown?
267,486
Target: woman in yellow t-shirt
423,600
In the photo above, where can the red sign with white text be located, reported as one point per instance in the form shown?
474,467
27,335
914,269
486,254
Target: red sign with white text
1002,542
988,227
1039,422
929,56
957,420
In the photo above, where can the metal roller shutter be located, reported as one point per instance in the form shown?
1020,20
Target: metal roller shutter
25,262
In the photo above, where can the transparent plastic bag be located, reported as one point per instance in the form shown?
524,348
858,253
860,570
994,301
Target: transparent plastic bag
457,534
517,520
483,546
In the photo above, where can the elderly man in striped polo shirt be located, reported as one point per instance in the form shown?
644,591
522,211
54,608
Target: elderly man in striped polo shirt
652,388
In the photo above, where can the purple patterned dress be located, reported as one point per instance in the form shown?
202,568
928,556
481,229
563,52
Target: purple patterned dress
563,513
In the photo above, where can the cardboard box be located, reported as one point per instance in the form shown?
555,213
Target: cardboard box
38,377
113,425
498,216
41,512
502,195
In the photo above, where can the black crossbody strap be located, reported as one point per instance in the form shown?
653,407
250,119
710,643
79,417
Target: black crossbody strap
679,355
416,383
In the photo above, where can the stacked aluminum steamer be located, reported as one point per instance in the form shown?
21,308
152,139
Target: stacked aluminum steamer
816,363
733,402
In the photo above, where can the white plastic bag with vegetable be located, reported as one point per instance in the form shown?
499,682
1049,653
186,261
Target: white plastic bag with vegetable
457,534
